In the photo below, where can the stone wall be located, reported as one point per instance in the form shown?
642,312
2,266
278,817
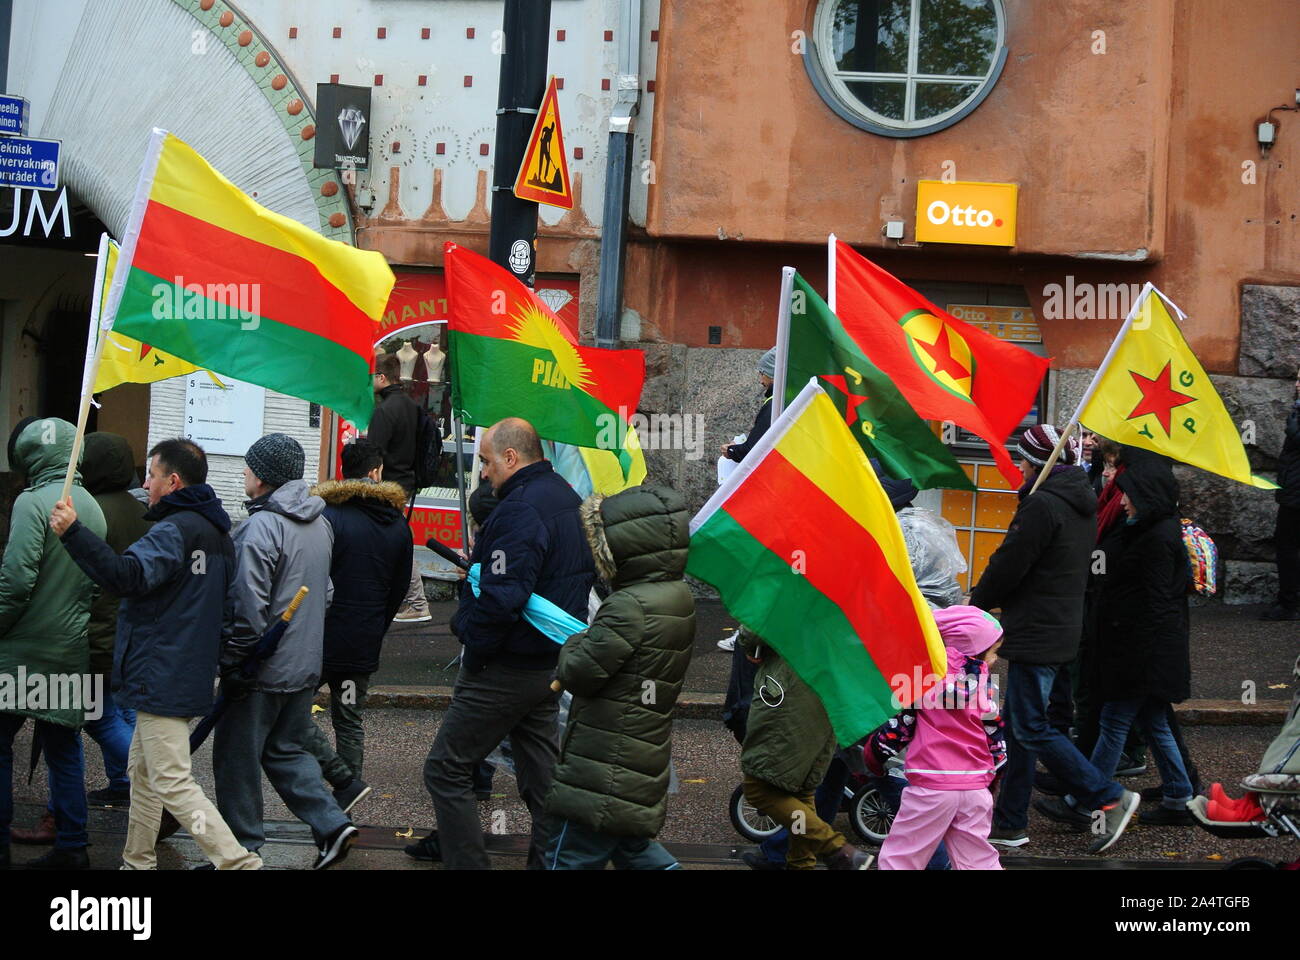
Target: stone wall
1238,517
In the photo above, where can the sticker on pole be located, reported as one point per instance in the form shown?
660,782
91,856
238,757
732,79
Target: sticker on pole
544,174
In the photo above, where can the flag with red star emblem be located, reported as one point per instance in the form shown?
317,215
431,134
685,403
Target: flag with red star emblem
1152,392
879,417
947,369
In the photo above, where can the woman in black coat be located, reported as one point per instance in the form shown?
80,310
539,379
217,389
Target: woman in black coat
1143,626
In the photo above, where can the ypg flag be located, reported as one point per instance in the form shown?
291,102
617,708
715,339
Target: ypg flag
773,539
215,279
512,357
878,416
1152,392
947,369
130,361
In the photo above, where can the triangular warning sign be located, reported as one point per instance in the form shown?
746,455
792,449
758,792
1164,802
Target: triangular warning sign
544,174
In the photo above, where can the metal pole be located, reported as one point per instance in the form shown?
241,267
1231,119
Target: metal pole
526,29
618,177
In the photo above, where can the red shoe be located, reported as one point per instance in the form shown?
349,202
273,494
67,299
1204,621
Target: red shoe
42,835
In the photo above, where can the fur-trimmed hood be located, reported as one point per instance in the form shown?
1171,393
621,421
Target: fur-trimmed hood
639,535
341,491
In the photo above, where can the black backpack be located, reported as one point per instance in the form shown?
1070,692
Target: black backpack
428,449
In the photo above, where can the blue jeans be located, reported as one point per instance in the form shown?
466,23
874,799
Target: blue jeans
826,801
1151,715
67,768
1029,736
112,732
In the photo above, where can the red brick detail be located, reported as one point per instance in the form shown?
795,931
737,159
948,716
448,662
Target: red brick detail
423,80
609,36
440,148
424,33
559,83
604,84
469,33
577,153
559,36
654,36
482,149
379,79
338,32
381,33
649,86
469,81
293,33
334,78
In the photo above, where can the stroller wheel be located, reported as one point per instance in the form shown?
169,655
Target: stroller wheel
749,823
870,816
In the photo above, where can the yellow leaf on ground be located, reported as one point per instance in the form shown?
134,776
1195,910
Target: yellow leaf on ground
1214,856
410,832
695,781
1172,853
317,708
1277,686
382,796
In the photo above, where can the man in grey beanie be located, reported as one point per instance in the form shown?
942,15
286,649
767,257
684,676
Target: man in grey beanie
766,371
284,544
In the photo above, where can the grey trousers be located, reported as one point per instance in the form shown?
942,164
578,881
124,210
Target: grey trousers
486,707
267,732
341,764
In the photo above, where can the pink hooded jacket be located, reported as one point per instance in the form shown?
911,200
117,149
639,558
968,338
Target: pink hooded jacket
950,743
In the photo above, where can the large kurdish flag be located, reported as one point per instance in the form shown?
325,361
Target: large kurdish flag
512,357
215,279
880,418
947,369
805,550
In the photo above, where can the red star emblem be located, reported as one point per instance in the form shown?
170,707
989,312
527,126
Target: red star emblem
840,382
941,353
144,350
1158,396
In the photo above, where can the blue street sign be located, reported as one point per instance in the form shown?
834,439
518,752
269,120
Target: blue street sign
30,163
13,115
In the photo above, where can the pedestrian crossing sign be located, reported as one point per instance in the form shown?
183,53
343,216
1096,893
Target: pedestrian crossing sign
544,174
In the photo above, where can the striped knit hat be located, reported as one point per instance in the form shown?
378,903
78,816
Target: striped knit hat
1037,443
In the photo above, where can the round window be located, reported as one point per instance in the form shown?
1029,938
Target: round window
904,68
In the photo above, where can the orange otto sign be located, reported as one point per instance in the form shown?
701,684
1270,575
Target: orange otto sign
966,212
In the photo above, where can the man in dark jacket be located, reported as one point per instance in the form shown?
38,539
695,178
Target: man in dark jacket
174,588
533,542
394,428
1286,533
369,567
284,544
1037,578
625,672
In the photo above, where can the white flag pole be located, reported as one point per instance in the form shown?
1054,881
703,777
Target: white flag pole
95,339
830,273
782,342
1092,387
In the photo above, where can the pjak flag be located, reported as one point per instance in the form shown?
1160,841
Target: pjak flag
130,361
947,369
879,418
512,357
805,550
1152,392
213,278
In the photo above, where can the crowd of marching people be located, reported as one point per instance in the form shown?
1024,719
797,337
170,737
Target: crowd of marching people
150,590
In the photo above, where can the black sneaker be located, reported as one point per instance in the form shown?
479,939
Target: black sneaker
1055,808
756,861
1007,837
1166,817
109,797
1279,612
427,849
350,795
336,846
1130,766
61,858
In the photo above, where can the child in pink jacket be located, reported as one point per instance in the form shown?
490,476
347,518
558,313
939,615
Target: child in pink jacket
953,754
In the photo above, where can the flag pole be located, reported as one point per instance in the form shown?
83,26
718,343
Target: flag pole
95,339
1092,387
830,272
782,342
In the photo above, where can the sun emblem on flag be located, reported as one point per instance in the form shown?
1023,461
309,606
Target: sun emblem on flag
538,329
940,350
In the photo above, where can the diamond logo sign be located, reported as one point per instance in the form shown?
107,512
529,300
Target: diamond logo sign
557,300
351,120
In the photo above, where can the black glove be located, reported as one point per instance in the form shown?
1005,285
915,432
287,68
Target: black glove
235,686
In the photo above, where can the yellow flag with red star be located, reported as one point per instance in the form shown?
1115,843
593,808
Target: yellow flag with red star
1152,392
130,361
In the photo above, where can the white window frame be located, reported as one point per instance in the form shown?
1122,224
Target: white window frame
835,91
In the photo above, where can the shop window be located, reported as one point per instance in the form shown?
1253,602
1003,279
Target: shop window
904,68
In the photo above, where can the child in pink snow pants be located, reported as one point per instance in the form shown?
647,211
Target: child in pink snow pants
954,749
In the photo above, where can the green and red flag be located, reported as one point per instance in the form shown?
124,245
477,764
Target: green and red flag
512,357
773,539
947,369
212,277
879,417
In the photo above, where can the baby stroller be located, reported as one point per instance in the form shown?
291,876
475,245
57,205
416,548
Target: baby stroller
1276,790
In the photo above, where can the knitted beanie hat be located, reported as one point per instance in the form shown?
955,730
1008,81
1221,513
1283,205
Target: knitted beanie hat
1038,442
276,459
767,363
